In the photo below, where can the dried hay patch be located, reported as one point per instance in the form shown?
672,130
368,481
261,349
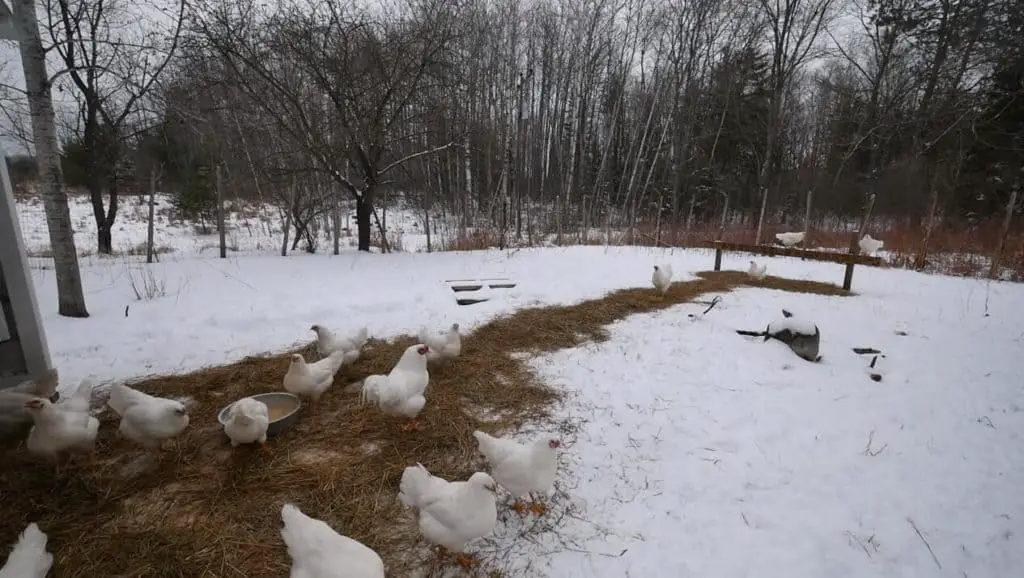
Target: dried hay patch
203,509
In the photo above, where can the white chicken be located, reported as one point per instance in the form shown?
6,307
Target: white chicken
757,273
401,392
445,345
790,239
312,379
327,342
65,427
662,278
519,468
29,558
869,245
13,418
146,419
451,513
318,551
247,422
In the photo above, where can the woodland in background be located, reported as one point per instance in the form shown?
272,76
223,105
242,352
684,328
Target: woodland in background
667,119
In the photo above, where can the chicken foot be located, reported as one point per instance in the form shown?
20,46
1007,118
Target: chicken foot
413,425
464,560
534,506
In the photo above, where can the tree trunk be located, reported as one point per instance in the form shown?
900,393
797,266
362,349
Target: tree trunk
70,297
929,224
364,209
807,220
104,238
336,225
286,229
220,213
150,226
993,269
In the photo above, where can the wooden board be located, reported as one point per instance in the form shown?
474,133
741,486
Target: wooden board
775,251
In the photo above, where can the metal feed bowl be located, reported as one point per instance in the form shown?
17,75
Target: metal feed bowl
276,398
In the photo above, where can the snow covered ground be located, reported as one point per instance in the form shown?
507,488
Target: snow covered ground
698,452
705,453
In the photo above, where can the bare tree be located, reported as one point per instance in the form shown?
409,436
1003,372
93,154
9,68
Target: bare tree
353,76
70,296
111,74
793,29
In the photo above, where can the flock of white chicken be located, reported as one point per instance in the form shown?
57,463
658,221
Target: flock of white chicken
451,514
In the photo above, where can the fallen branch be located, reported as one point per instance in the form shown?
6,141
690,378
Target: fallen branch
926,544
865,350
714,302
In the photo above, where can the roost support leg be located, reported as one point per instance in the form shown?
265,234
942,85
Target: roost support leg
848,277
718,259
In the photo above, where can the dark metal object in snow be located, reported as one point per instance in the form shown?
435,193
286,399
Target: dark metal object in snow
802,344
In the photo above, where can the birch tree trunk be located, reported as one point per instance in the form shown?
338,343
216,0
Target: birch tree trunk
220,213
70,297
151,225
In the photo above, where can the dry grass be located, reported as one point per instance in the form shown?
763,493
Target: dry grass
208,510
471,240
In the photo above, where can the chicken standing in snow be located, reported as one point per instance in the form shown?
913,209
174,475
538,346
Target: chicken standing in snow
312,379
65,427
146,419
757,273
446,345
401,392
521,469
29,558
869,245
317,551
327,342
662,278
790,239
451,513
247,422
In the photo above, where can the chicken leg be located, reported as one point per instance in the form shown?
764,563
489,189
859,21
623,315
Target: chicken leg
413,425
519,507
466,561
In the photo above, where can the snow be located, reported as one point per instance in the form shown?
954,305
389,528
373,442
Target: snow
704,453
689,450
797,325
214,311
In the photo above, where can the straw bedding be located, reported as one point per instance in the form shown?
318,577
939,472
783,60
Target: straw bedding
204,509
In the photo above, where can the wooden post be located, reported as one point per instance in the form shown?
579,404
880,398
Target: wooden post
718,258
848,277
220,213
